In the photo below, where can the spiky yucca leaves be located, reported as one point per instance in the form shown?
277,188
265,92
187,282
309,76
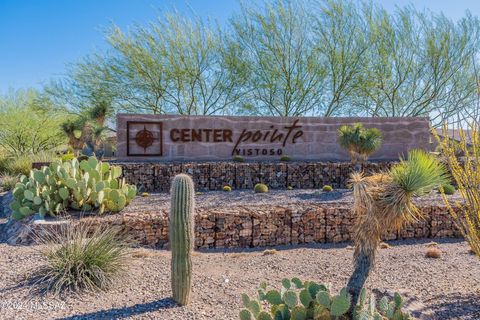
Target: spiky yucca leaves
359,141
383,202
466,173
80,257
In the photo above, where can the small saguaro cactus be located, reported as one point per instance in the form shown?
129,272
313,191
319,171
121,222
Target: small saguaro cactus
182,236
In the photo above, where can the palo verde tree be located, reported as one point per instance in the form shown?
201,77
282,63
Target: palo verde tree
288,58
285,77
29,123
418,64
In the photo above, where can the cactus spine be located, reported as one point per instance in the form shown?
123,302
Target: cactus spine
181,236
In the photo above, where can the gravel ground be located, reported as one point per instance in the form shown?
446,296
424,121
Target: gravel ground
216,199
445,288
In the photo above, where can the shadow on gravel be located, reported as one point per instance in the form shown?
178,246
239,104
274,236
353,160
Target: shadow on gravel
126,312
321,196
455,306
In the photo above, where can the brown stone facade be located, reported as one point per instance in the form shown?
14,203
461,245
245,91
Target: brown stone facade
217,138
156,177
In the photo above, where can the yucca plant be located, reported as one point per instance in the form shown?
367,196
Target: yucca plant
466,173
359,141
383,202
81,257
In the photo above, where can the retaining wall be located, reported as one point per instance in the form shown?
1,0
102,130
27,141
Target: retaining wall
256,225
156,177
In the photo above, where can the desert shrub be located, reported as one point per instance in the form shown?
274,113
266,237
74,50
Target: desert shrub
238,159
466,173
260,188
433,252
448,189
310,300
7,181
227,188
86,185
384,245
19,165
285,158
67,157
359,141
28,124
327,188
78,258
22,164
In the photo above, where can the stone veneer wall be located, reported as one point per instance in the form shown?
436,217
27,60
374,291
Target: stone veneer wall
259,225
156,177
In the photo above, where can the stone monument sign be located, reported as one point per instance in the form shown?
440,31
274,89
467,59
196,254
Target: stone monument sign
175,137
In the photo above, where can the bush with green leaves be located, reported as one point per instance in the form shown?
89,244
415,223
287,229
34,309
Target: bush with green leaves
238,159
327,188
298,300
359,141
80,257
260,188
86,185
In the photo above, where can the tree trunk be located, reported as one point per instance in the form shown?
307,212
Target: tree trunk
363,265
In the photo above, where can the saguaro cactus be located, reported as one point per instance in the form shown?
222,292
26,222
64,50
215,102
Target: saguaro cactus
181,236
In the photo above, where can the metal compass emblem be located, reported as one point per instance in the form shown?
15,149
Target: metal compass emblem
144,138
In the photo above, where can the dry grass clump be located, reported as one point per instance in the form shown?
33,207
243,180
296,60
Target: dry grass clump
433,252
80,258
432,244
384,245
269,252
8,181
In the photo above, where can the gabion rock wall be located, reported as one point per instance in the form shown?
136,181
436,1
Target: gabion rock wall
156,177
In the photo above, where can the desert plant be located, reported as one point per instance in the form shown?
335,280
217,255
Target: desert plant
260,188
433,252
384,202
238,159
86,185
447,189
227,188
8,181
80,257
301,300
67,157
327,188
19,165
285,158
466,173
182,236
359,141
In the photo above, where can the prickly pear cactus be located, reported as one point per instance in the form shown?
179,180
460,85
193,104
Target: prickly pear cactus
181,237
298,300
87,185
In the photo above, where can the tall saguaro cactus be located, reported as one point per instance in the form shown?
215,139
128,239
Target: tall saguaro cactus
181,236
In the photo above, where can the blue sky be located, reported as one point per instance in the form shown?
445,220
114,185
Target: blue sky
38,37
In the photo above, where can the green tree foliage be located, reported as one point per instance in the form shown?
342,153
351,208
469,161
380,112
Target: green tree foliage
29,124
418,64
287,58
